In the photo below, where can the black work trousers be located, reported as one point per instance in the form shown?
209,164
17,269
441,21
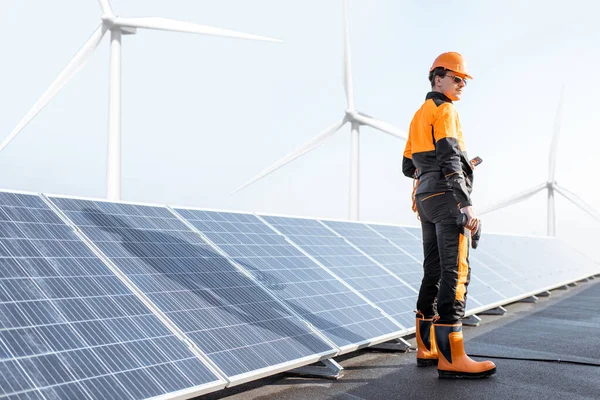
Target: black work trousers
446,271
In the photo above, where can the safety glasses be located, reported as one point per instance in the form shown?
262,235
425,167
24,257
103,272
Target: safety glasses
458,79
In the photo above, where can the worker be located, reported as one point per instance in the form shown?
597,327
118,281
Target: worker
435,156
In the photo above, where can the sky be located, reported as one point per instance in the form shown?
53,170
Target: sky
201,115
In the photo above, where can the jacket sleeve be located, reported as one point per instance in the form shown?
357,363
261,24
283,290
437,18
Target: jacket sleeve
408,168
448,152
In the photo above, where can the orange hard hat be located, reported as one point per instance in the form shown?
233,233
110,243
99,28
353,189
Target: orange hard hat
452,61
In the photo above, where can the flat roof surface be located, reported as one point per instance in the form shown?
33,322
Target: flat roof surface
564,326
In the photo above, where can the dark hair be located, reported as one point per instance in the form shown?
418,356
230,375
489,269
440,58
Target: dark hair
438,71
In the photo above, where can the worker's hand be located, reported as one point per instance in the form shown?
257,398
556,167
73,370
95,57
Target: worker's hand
472,220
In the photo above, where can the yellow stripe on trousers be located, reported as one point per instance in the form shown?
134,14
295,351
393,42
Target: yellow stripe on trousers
463,267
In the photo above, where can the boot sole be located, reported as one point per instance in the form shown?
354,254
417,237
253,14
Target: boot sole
467,375
427,362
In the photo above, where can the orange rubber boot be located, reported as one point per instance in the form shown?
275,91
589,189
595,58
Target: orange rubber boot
453,361
427,354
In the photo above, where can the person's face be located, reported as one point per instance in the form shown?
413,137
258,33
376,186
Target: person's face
452,85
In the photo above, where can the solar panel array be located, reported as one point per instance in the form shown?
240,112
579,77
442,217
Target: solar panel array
370,274
409,239
69,328
102,300
229,316
316,295
533,264
505,268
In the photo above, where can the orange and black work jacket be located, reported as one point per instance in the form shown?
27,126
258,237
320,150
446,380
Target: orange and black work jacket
435,151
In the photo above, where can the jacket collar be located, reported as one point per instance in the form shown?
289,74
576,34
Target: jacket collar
438,96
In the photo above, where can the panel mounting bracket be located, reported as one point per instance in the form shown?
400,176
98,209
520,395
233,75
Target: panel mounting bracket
530,299
494,311
326,369
398,344
471,320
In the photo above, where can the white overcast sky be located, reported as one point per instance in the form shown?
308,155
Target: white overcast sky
201,115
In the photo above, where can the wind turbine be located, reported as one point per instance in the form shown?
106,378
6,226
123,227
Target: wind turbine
551,185
351,116
117,27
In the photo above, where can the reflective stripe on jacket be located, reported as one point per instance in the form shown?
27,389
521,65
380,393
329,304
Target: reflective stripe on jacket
436,150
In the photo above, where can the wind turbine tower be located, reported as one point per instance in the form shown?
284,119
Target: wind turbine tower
550,185
351,116
117,26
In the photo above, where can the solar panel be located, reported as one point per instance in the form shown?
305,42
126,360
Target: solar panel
334,309
492,271
69,328
238,325
507,267
574,260
407,238
399,259
399,300
376,284
535,263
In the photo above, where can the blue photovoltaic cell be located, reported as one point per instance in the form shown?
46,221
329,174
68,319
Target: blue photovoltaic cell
294,278
348,263
69,328
227,315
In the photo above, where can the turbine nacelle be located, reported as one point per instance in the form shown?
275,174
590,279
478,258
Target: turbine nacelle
361,119
351,115
108,20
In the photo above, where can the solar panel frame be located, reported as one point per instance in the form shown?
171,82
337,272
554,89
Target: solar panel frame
230,380
54,390
342,349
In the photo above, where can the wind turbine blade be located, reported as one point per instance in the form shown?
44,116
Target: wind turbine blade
105,7
573,198
66,74
515,199
382,126
554,146
348,85
172,25
305,148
